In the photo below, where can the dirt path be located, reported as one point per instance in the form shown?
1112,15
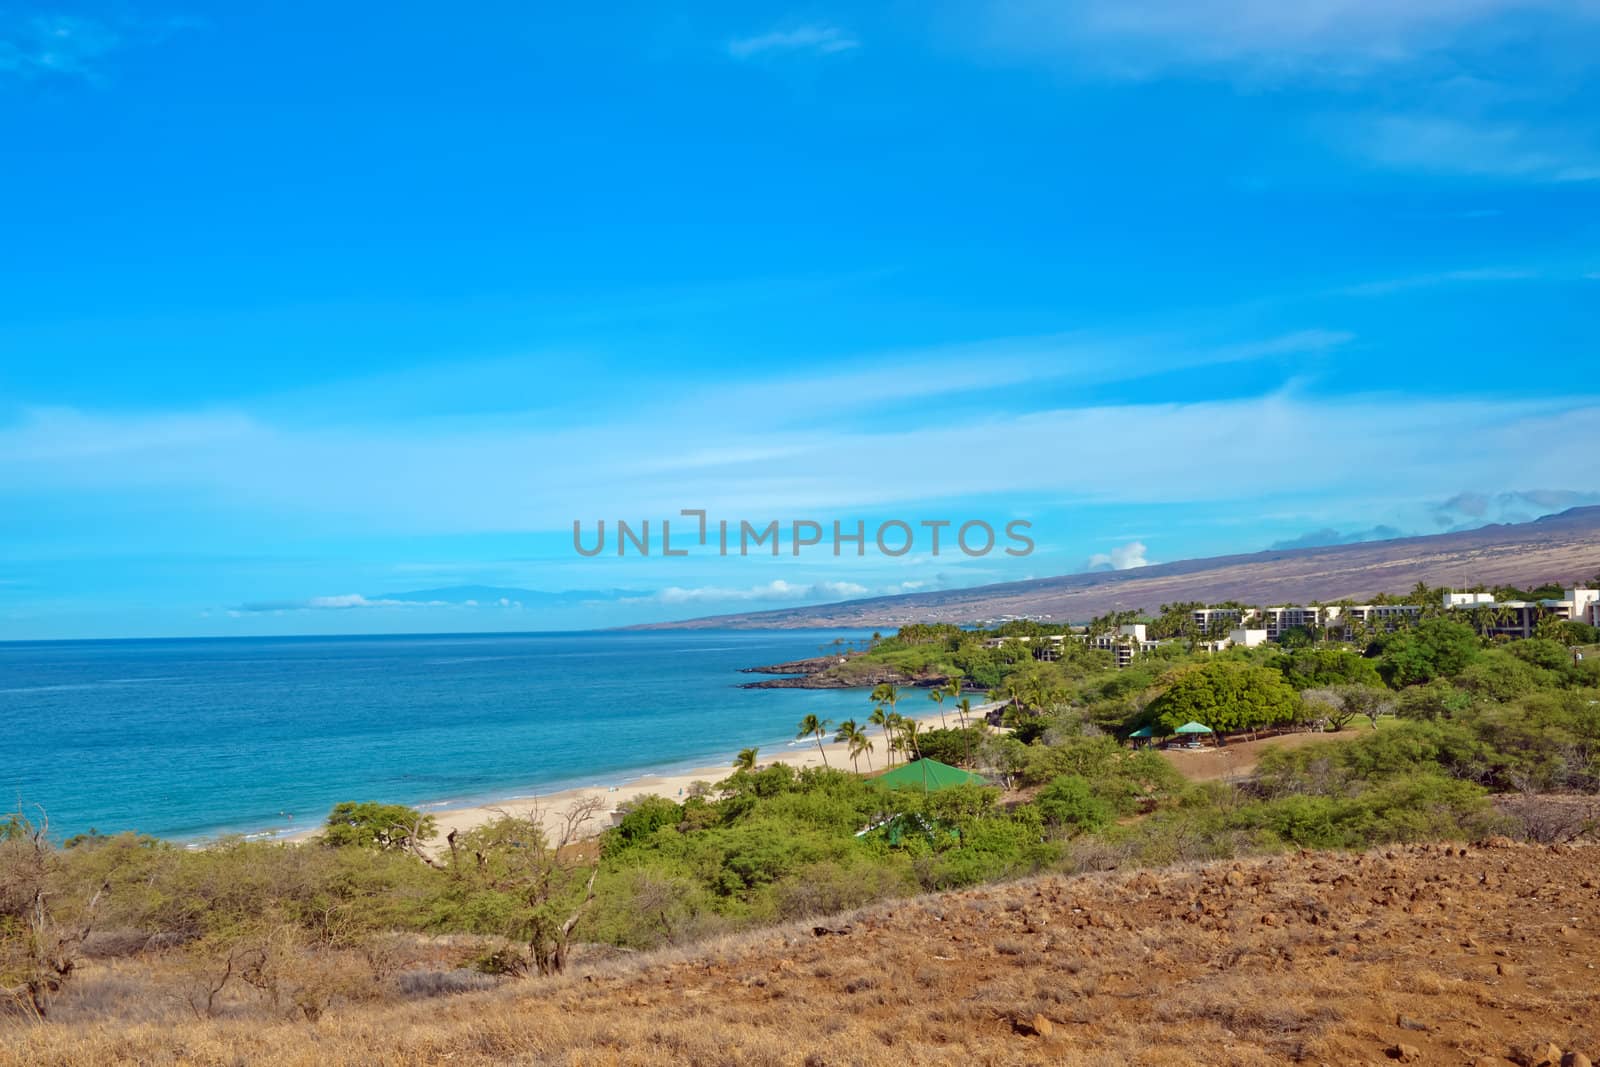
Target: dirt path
1238,759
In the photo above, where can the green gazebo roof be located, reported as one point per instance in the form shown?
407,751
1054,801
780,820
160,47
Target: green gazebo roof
1144,731
928,775
1194,728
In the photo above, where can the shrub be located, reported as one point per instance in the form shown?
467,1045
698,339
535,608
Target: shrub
383,827
1069,803
642,818
958,747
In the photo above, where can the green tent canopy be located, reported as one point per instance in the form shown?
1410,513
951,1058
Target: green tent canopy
1144,731
1194,728
928,775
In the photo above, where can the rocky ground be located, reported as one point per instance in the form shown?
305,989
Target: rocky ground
839,672
1483,954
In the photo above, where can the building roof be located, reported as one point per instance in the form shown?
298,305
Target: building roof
928,775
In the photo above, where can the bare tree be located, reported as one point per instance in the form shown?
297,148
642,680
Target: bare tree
1341,704
41,927
542,867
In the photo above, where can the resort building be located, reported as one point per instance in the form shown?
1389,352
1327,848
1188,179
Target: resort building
1129,641
1519,618
1382,616
1280,619
1047,648
1208,620
1243,636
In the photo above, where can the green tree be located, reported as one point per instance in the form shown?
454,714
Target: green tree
955,747
1432,701
811,726
936,694
1315,668
530,880
1226,695
910,731
886,695
880,718
855,738
1434,648
383,827
746,759
640,819
1339,705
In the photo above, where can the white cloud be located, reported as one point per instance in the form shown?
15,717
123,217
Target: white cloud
1472,87
1122,558
794,447
1450,277
41,45
1446,144
816,37
1138,38
356,601
777,590
315,473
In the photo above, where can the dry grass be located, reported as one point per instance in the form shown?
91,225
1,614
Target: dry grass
1238,759
1315,958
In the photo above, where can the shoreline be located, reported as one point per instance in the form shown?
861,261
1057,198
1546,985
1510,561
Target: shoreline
673,784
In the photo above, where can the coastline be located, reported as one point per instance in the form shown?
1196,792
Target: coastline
673,784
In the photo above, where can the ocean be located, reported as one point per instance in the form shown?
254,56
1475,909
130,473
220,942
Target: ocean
190,739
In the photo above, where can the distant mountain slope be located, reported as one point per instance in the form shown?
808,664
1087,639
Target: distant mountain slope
1559,548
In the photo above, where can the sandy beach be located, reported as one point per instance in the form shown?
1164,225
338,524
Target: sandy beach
552,807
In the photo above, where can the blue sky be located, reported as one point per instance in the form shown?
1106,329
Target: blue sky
308,309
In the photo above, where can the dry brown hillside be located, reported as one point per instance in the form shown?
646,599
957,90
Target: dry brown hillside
1428,954
1556,548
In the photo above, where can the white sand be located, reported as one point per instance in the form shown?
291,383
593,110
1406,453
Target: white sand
551,807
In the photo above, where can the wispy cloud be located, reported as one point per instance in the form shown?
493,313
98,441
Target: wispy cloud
1472,508
1139,38
1453,145
454,478
1447,277
51,44
1490,88
777,590
1330,536
40,44
336,602
817,38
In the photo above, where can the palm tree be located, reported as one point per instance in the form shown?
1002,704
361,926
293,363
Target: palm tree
937,696
745,760
862,744
964,708
880,718
908,730
886,694
811,726
856,738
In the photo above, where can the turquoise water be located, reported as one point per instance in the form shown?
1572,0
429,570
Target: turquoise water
191,738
